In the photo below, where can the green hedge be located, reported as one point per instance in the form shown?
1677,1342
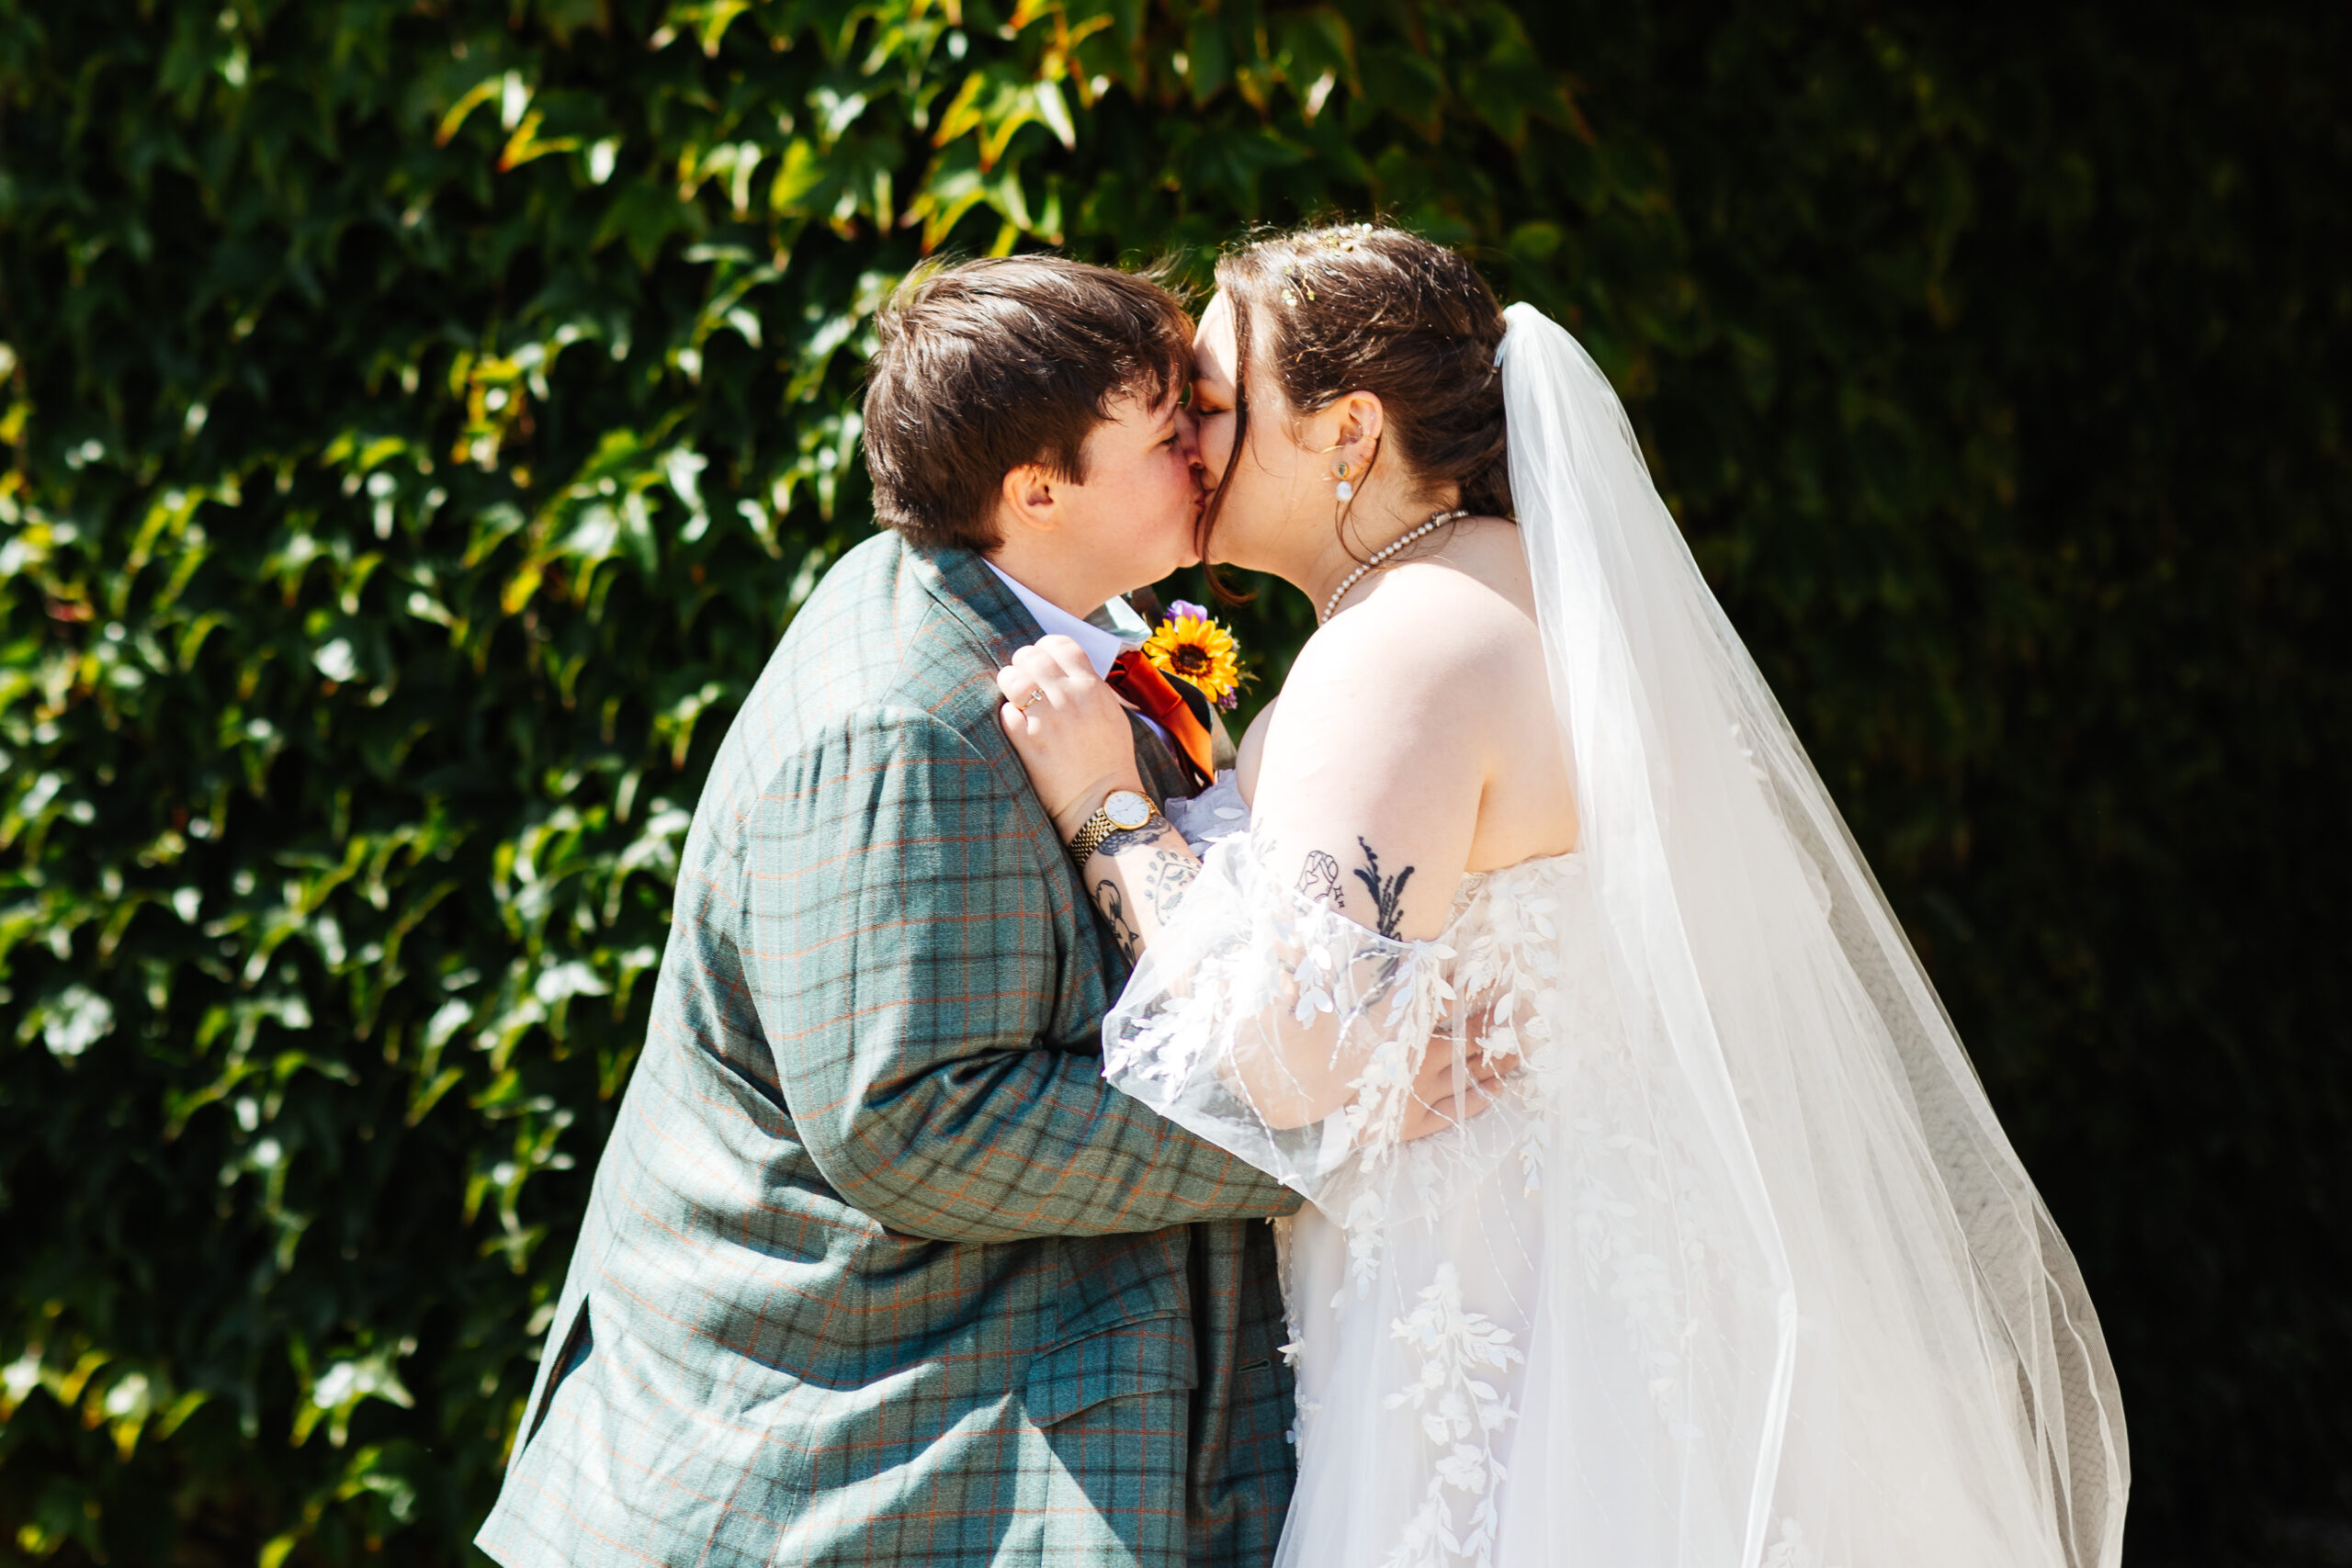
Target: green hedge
422,417
2017,432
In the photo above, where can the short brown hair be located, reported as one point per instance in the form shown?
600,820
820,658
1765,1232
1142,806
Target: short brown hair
984,365
1350,308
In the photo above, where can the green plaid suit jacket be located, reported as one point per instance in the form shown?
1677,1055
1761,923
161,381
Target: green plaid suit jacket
875,1267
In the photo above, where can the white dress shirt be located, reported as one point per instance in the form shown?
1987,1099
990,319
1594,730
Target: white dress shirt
1101,646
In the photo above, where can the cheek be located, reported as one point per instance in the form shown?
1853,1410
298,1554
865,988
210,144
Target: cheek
1170,473
1216,445
1270,462
1151,490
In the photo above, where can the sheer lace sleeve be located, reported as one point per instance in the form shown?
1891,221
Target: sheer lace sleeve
1277,1027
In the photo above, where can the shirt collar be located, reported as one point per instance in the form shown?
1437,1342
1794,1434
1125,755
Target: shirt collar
1101,646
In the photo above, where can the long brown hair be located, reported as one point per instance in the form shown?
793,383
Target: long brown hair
1350,308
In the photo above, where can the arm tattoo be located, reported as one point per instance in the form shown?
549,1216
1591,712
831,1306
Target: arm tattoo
1127,839
1114,909
1387,894
1165,885
1319,879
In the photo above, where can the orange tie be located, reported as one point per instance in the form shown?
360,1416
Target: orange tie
1143,683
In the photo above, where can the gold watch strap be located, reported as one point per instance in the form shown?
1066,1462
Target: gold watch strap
1099,827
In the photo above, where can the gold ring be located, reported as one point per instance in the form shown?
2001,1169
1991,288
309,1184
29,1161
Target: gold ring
1035,695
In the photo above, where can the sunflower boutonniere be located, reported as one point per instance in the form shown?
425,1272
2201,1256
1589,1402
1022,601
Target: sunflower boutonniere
1190,645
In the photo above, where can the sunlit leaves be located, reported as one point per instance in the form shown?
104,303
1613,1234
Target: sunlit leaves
417,424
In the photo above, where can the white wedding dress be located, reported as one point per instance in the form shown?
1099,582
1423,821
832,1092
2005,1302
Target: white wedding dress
1739,1271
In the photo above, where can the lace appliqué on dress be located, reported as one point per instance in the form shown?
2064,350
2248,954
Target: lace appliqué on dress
1460,1414
1256,987
1792,1551
1254,999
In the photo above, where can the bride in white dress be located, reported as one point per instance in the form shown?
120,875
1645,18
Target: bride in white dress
1733,1266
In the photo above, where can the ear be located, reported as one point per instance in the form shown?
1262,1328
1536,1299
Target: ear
1362,419
1027,500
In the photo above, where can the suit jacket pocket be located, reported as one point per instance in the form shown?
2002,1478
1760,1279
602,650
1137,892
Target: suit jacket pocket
1125,1323
1103,1282
1147,1356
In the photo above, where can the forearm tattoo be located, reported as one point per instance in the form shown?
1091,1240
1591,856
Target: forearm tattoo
1167,880
1319,879
1127,839
1387,892
1114,909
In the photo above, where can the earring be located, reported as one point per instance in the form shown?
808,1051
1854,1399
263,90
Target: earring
1343,489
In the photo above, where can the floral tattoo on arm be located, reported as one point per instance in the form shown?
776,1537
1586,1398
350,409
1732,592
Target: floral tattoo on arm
1387,892
1169,879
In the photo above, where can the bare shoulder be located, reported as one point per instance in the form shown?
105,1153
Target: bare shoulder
1409,715
1446,628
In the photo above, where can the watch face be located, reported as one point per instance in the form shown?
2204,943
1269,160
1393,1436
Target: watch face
1126,808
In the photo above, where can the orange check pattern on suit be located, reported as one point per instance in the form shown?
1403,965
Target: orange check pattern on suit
876,1268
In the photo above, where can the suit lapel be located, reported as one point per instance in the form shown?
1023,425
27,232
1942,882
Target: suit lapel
961,581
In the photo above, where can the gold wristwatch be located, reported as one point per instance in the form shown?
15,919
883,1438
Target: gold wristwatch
1123,812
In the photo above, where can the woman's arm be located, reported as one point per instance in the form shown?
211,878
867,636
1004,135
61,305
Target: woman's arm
1407,832
1071,732
1138,880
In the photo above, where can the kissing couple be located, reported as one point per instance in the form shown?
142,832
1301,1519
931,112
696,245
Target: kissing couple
1634,1203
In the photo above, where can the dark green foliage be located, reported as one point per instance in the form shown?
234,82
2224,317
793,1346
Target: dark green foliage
422,418
424,421
2013,428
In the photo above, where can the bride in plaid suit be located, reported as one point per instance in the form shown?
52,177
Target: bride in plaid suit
1733,1266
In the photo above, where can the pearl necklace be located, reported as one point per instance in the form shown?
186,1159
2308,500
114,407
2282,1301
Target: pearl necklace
1331,605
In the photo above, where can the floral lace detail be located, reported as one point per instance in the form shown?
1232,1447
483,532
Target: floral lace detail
1505,927
1792,1551
1521,964
1417,991
1294,1345
1366,1223
1617,1178
1512,952
1460,1414
1226,996
1497,957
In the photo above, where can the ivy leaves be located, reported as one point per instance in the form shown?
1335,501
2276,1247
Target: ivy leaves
417,425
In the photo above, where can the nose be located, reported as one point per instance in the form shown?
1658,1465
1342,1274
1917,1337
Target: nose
1188,441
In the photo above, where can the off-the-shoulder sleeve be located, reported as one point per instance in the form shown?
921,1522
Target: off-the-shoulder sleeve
1278,1029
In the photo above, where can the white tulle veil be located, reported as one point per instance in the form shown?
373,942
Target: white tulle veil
1888,1339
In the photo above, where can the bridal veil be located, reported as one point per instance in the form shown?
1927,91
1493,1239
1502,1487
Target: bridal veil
1937,1367
1862,1342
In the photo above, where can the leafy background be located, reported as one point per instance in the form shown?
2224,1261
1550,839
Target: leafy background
423,416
